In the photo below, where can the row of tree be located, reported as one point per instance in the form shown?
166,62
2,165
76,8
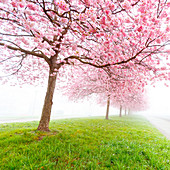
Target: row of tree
119,44
106,87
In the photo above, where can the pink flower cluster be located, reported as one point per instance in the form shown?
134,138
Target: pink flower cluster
31,6
62,5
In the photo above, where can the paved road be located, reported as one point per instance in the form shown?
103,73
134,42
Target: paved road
162,123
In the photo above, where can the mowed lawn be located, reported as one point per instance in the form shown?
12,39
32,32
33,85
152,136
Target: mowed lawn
129,142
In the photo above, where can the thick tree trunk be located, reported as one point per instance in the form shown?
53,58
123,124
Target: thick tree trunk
46,111
120,114
108,105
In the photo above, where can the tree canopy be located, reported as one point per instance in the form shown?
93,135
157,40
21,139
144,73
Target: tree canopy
38,37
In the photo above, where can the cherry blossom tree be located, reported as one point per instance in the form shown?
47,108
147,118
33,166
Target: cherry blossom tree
133,101
128,94
107,85
40,37
87,83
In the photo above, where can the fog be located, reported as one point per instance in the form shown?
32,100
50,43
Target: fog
158,100
26,104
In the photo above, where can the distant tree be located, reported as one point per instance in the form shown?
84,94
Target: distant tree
87,84
39,37
120,90
131,97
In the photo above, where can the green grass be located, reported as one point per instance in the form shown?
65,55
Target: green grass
87,143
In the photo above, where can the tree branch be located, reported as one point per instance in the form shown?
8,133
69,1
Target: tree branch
33,53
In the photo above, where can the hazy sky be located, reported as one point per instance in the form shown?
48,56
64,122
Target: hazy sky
159,99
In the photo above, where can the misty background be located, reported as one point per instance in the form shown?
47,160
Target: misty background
24,104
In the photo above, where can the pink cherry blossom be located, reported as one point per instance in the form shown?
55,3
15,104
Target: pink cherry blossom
31,6
127,39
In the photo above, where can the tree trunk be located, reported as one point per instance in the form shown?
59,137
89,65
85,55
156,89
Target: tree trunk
125,111
128,111
120,115
108,105
46,111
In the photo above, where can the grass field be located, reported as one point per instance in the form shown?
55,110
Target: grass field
86,143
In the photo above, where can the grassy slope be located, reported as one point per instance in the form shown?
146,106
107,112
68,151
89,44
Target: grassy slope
85,143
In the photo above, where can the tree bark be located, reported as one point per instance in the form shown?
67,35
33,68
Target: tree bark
120,115
46,111
108,105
